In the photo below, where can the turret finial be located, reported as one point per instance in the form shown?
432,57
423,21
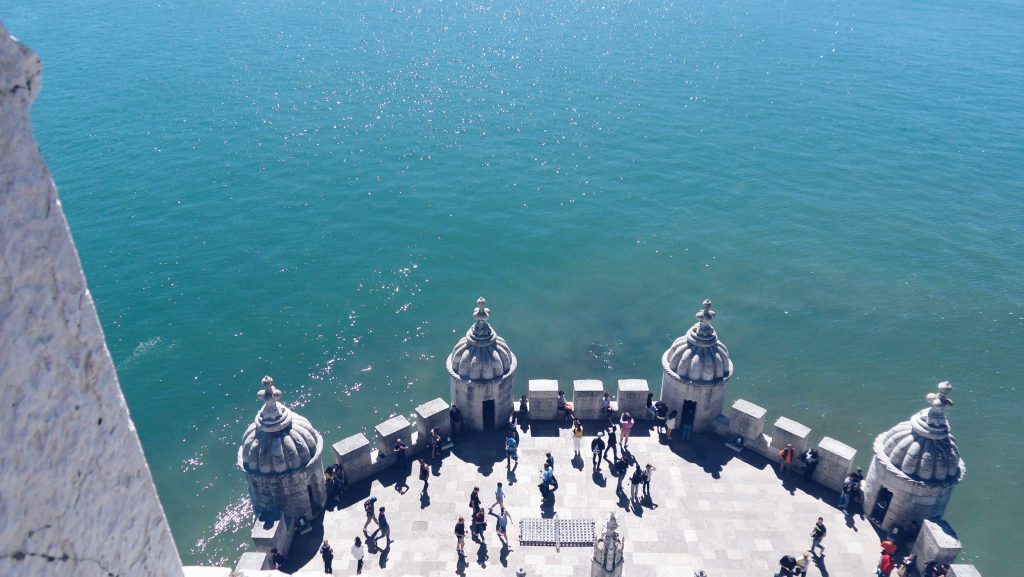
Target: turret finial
482,313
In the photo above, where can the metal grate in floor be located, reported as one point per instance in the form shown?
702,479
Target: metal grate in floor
556,532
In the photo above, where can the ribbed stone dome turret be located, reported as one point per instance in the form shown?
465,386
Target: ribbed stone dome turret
922,447
481,356
278,441
698,357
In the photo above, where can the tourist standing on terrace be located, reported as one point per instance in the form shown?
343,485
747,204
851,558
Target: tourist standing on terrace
606,408
786,457
670,424
635,481
327,554
385,527
597,447
577,435
474,499
455,416
460,536
626,423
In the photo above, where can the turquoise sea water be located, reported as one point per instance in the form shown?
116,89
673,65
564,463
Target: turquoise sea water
320,190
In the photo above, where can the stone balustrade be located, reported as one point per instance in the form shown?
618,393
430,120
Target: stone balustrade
935,542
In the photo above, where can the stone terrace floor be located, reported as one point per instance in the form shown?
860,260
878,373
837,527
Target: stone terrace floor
728,514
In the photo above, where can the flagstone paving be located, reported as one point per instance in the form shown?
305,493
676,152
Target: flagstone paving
711,509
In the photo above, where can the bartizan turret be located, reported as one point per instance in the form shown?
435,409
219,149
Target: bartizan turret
280,456
482,371
915,467
695,370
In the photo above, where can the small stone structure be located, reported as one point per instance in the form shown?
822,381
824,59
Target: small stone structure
482,370
915,467
607,561
280,456
695,370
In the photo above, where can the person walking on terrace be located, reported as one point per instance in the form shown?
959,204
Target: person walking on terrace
612,445
670,424
817,534
597,447
885,565
502,525
369,505
499,498
577,435
626,424
424,475
474,499
511,450
358,553
479,525
385,527
327,554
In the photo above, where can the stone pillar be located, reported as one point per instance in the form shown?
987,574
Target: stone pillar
960,570
586,399
430,415
935,542
543,397
607,560
632,397
835,460
354,455
788,432
390,430
747,420
64,410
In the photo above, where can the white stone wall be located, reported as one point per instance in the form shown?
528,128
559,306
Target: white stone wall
76,496
709,399
470,397
911,500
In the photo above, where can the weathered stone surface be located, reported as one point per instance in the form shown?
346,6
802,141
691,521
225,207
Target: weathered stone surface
252,562
430,415
101,515
935,542
353,454
632,397
543,397
276,535
394,428
586,398
834,464
747,420
787,431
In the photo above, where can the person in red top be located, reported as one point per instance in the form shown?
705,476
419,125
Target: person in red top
885,565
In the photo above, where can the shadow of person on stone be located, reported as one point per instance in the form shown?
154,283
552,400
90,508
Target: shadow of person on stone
577,462
382,561
424,500
481,554
510,475
599,479
461,565
503,558
547,508
819,562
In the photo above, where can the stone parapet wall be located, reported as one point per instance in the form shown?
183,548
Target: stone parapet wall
78,498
